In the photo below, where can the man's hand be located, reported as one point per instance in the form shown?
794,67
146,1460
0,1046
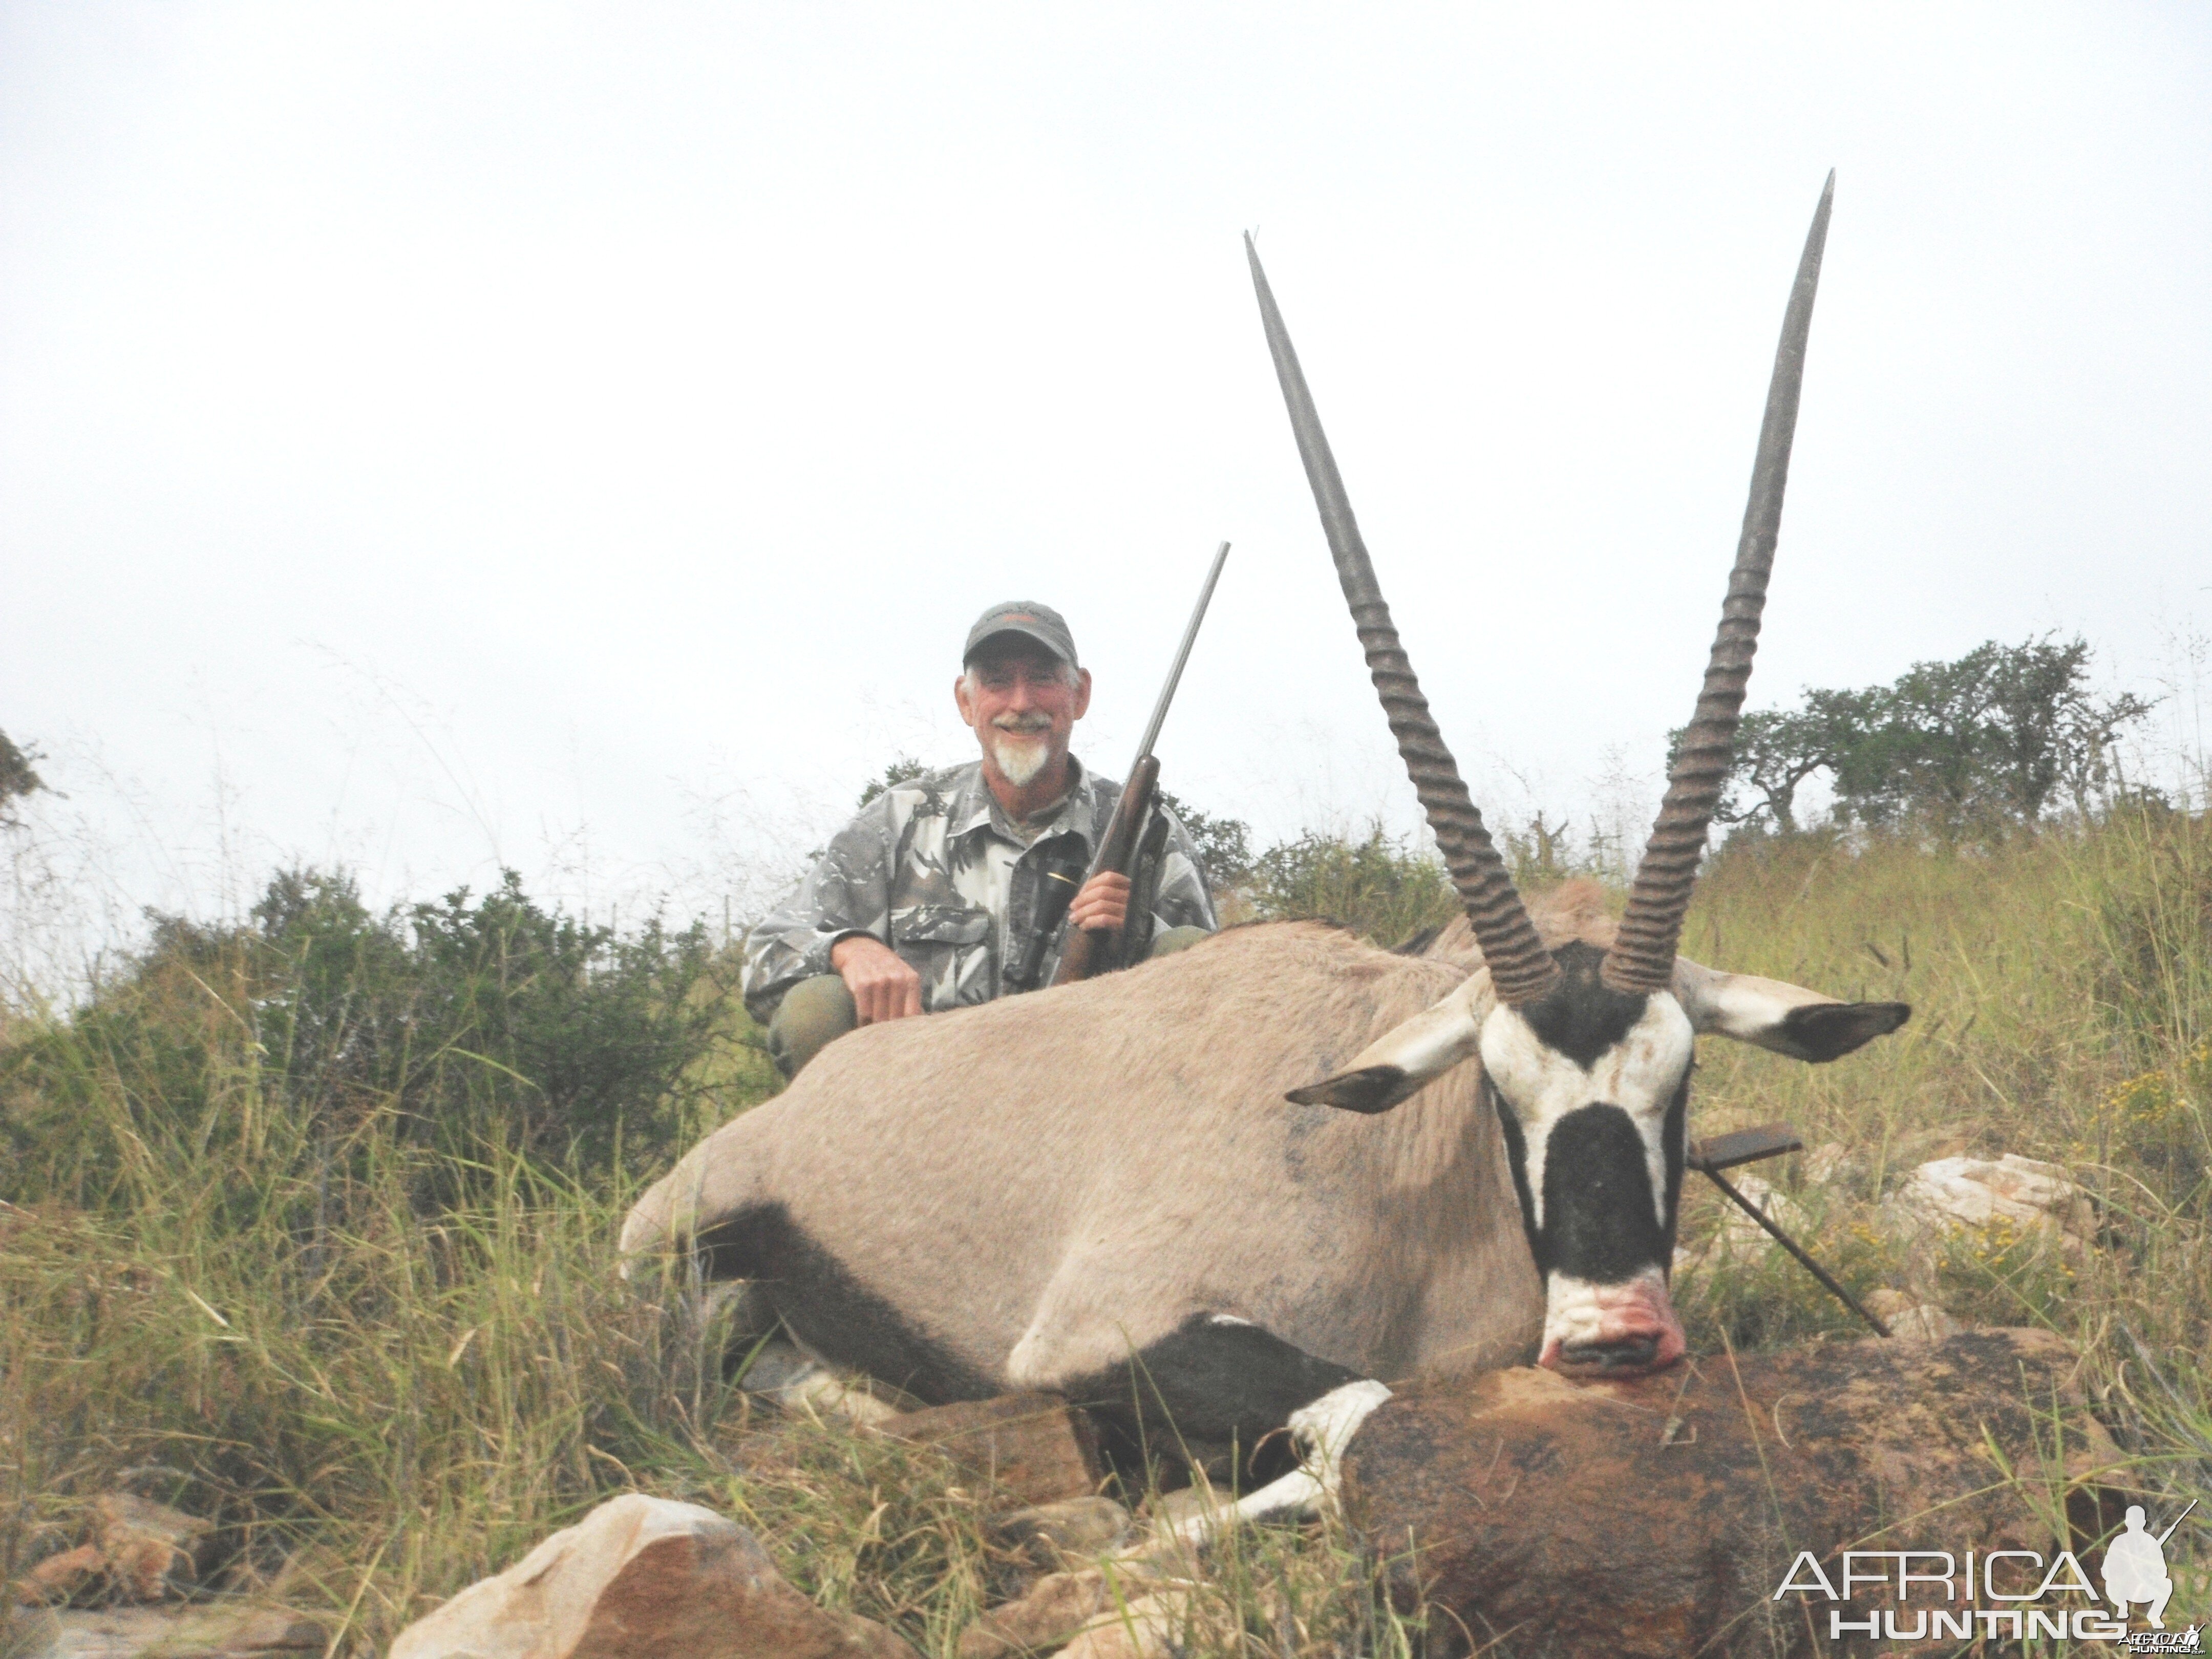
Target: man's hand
1103,905
883,986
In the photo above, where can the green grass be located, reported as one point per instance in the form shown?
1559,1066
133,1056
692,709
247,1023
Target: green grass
258,1310
2061,990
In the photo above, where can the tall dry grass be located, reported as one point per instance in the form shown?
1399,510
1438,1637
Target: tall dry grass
2061,987
382,1401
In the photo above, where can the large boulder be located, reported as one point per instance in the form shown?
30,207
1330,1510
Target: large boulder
2025,1194
1659,1516
641,1578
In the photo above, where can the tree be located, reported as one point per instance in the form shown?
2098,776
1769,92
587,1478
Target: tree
2049,731
1223,844
17,779
904,769
1998,736
1777,750
1990,739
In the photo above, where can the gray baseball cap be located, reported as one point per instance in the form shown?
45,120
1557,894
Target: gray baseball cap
1033,621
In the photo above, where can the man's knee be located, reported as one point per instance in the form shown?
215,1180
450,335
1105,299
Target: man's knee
814,1013
1170,941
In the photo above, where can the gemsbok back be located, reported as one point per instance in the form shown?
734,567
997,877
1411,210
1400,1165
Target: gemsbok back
1132,1190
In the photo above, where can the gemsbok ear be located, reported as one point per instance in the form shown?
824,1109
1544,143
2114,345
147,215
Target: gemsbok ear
1397,1064
1786,1018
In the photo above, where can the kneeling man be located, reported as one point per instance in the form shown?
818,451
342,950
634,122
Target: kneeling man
927,900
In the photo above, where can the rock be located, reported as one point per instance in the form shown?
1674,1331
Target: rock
277,1630
1037,1446
115,1633
1046,1534
265,1630
641,1578
210,1629
144,1551
1973,1192
152,1552
1909,1318
1147,1628
1658,1516
31,1631
1058,1608
58,1577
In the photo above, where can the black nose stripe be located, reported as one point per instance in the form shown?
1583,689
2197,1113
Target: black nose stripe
1600,1217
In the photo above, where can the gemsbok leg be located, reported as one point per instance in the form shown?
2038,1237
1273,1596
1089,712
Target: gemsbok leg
1214,1379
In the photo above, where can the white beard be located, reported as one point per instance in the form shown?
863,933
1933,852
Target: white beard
1019,759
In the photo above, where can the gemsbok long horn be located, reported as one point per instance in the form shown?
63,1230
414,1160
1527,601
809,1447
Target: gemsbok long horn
1521,968
1643,954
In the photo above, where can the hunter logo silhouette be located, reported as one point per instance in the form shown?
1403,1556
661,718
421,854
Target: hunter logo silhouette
2134,1566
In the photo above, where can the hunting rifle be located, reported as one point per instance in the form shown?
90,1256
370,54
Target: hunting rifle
1124,840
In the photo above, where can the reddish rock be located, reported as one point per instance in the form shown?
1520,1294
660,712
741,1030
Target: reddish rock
152,1552
643,1578
1658,1516
58,1577
140,1551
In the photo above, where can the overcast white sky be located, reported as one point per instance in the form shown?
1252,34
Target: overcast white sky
577,437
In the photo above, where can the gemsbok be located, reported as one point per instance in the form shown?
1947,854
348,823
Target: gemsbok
1134,1191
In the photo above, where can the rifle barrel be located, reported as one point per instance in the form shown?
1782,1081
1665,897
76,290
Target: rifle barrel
2177,1520
1183,656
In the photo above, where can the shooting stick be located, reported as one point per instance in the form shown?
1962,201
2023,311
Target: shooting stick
1725,1151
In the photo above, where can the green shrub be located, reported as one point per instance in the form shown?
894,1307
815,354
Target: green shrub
1378,886
470,1023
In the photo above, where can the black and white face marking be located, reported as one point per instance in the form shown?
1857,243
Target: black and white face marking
1592,1087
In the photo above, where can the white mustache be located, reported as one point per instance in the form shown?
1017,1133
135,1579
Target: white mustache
1024,723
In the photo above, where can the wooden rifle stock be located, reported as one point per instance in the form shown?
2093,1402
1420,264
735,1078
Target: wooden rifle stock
1117,850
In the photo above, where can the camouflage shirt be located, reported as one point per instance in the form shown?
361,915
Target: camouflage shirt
935,869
